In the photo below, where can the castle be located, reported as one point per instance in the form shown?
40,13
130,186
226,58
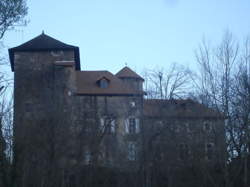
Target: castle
66,119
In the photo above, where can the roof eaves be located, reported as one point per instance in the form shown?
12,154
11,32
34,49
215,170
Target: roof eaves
109,94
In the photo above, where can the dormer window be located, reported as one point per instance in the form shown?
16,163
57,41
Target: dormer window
103,82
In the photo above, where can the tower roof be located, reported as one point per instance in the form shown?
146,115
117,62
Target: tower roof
44,42
126,72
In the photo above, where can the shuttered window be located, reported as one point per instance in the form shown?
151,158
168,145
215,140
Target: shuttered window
132,125
107,125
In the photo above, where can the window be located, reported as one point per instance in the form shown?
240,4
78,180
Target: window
207,126
56,53
177,128
159,153
187,127
28,107
107,125
132,126
183,151
72,180
132,103
87,128
87,157
103,83
209,151
131,151
159,125
108,155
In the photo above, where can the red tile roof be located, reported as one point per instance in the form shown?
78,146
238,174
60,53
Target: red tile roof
87,84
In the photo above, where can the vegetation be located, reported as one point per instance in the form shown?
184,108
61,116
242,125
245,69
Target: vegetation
12,14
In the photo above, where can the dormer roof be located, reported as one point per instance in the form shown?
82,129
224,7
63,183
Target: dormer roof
86,84
126,72
103,77
44,42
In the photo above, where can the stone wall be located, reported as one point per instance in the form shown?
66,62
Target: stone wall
174,147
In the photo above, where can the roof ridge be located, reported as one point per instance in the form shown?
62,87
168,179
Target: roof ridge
127,72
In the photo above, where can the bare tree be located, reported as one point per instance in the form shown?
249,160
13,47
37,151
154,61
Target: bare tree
174,82
12,13
224,85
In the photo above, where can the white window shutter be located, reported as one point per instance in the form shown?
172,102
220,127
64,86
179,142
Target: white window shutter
137,125
102,125
112,126
126,126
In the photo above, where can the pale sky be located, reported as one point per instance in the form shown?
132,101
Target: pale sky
141,33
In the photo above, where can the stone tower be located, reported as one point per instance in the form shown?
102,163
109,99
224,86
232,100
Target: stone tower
43,81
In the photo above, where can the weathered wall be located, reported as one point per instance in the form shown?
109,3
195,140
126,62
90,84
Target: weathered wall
177,147
109,147
39,97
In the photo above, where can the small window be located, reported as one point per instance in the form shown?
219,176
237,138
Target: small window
131,151
103,83
28,107
207,126
56,53
132,104
187,127
183,151
177,128
87,128
72,180
209,151
108,155
159,153
159,125
132,126
87,157
107,125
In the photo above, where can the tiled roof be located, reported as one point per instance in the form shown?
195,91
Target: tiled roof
87,84
126,72
178,109
44,42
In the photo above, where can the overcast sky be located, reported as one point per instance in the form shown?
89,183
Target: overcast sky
141,33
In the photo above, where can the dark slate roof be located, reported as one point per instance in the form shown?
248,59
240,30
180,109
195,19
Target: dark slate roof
181,108
87,84
126,72
44,42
